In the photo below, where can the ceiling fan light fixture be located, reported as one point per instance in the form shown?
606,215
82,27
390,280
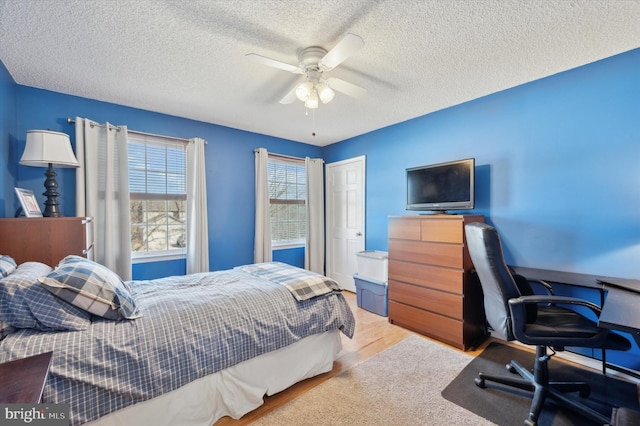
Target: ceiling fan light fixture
304,90
314,61
325,92
312,101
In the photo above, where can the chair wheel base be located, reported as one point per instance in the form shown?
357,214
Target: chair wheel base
479,381
529,422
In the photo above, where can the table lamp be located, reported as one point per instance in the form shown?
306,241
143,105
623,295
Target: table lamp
45,148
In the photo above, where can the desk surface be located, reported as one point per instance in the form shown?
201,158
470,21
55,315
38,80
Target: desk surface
622,283
621,311
583,280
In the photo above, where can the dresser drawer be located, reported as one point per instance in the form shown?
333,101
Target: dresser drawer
442,230
404,228
438,302
436,277
433,325
439,254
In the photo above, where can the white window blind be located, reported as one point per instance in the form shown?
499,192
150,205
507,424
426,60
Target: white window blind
287,199
158,195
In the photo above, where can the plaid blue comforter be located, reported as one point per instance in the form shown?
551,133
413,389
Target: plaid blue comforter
190,327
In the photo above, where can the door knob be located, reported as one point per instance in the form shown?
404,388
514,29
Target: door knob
358,234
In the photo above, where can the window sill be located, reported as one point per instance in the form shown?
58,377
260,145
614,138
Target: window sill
288,246
153,257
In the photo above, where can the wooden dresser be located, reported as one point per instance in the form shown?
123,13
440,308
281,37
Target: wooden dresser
46,239
431,288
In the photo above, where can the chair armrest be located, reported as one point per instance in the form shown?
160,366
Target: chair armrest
556,331
524,284
542,299
544,285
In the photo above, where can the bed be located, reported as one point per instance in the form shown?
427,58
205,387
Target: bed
178,350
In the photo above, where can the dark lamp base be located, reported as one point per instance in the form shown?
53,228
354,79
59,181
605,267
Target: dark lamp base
51,208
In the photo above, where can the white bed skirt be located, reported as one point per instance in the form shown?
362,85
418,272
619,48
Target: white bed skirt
234,391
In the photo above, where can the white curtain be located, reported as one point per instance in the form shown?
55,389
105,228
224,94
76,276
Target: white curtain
197,225
262,244
102,191
314,250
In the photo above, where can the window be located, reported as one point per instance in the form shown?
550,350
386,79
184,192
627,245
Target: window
158,196
287,201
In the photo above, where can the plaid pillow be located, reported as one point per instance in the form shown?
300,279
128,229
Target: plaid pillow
24,303
92,287
7,265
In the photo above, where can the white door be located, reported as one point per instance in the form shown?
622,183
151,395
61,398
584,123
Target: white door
345,219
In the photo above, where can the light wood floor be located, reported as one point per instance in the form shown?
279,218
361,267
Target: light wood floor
373,335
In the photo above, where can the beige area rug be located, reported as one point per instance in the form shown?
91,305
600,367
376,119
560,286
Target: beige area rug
399,386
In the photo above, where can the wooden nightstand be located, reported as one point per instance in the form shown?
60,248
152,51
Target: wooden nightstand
22,381
46,239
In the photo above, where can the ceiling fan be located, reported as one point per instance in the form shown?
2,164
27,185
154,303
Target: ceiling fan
314,61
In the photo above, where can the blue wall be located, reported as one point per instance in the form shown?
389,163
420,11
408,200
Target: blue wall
557,166
7,132
229,163
293,256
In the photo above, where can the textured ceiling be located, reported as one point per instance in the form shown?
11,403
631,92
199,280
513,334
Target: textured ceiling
187,58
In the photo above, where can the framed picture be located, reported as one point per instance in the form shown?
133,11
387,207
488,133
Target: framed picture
28,202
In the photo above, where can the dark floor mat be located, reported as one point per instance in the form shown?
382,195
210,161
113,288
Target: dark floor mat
511,406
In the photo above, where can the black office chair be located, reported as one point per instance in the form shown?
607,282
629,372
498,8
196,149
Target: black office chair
534,320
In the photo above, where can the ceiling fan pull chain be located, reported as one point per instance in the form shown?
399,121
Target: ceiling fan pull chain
313,122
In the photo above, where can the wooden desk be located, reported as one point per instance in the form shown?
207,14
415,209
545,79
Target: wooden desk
22,381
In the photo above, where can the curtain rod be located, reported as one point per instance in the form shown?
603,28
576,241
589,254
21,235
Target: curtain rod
286,157
92,124
135,132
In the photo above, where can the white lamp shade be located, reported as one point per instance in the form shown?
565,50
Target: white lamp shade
44,147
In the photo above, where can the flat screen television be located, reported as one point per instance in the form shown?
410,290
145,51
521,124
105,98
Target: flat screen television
441,187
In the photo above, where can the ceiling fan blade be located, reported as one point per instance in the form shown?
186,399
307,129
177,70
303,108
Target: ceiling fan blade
346,87
346,47
290,97
273,63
